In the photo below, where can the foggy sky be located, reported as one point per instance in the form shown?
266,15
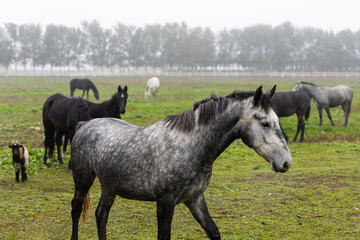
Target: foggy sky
324,14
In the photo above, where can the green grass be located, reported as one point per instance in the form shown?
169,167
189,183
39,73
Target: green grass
318,198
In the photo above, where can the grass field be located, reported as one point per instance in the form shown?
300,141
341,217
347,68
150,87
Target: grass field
318,198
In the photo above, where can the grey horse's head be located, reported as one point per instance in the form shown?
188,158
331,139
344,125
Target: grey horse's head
298,86
260,130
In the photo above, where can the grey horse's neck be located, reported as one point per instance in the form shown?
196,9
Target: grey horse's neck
209,140
311,89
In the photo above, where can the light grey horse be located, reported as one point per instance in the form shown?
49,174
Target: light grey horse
327,97
171,161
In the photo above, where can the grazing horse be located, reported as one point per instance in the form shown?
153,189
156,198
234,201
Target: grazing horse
85,85
62,113
327,97
152,84
171,161
288,103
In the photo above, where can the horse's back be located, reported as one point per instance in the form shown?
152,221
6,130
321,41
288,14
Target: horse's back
153,82
64,111
81,83
288,103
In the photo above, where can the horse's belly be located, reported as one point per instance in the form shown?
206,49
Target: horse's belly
131,187
149,187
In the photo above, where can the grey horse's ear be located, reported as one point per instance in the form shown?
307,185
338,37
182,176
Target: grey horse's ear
271,92
258,95
119,88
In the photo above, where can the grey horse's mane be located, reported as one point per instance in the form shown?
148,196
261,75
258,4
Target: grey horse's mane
208,108
313,84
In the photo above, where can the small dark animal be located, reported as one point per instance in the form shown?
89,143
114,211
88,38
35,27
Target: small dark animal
288,103
61,114
171,161
85,85
20,156
327,97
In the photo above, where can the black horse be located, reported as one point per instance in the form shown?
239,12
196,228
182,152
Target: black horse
288,103
85,85
61,114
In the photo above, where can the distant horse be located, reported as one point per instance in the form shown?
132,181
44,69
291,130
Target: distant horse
327,97
152,84
171,161
59,108
288,103
85,85
61,114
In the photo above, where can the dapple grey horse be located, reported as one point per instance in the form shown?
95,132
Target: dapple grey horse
327,97
171,161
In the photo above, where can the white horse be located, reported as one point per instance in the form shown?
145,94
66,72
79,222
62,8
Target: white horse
152,84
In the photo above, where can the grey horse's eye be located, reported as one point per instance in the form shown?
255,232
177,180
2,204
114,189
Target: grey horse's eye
265,124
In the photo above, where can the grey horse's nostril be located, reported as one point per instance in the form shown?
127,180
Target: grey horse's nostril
286,166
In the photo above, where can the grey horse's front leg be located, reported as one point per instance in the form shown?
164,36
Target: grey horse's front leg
165,213
320,113
329,115
200,212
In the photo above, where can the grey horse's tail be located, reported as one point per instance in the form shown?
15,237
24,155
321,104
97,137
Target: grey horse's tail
307,113
78,126
86,206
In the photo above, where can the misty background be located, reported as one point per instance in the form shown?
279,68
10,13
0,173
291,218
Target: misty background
174,47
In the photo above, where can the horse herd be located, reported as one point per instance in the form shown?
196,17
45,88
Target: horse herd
171,161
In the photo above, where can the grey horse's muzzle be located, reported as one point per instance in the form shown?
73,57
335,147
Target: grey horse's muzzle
282,167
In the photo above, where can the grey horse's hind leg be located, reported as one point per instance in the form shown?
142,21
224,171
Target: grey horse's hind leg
329,115
200,212
83,182
346,107
76,210
102,211
165,212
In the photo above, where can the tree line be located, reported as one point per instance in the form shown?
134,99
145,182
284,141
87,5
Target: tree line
178,47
